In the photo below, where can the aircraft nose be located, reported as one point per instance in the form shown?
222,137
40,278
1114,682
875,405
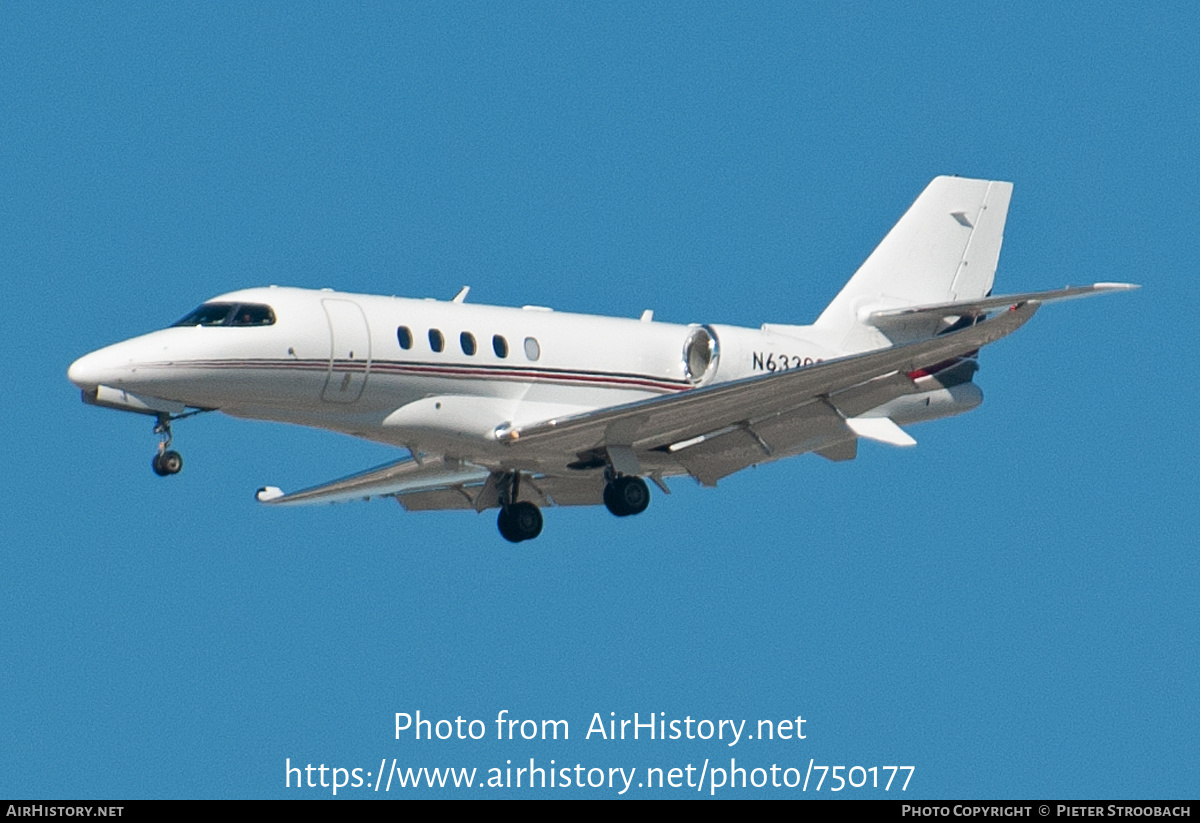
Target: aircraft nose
83,372
102,367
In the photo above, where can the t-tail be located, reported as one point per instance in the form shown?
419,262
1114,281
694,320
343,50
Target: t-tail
933,272
943,250
932,275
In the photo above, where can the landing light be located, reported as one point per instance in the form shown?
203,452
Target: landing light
505,431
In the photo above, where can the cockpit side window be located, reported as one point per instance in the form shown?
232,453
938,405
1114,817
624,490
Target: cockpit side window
230,314
253,314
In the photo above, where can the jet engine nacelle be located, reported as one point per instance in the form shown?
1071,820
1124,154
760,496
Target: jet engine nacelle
930,405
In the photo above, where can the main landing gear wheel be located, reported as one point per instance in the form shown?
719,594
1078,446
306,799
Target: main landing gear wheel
626,495
520,521
169,462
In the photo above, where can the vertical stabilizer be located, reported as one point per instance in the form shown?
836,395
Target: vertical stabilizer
944,248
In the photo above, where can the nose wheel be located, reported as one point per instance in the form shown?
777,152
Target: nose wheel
169,462
166,462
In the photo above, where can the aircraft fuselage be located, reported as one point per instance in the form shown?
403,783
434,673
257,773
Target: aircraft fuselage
427,374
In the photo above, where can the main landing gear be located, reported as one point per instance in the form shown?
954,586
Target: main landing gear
518,520
625,495
166,462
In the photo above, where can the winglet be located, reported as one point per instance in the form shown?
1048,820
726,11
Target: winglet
268,493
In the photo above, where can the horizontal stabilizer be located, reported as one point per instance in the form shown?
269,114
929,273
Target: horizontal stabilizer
967,308
881,429
393,478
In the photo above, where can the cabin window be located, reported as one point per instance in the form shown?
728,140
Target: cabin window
499,346
405,338
467,341
532,350
436,341
230,314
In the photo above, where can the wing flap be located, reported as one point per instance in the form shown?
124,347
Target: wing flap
719,456
813,426
585,490
436,500
839,452
865,396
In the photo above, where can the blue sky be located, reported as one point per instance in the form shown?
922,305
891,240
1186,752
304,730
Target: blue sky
1010,607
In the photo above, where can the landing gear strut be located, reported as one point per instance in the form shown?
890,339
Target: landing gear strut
518,520
625,495
166,461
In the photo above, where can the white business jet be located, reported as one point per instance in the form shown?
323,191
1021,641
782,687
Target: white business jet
519,409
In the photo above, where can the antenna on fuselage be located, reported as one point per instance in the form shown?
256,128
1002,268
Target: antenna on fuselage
461,297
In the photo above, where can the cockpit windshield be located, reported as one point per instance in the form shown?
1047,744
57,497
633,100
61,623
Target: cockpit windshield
230,314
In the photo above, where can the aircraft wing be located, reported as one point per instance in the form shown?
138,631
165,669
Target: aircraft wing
437,483
814,402
408,475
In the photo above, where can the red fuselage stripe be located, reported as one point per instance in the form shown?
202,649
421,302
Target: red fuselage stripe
450,371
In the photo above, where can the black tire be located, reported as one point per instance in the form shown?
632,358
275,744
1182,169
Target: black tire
526,519
612,501
627,495
505,525
171,462
156,464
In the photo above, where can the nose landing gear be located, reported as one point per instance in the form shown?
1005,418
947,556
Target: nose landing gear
169,462
166,462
